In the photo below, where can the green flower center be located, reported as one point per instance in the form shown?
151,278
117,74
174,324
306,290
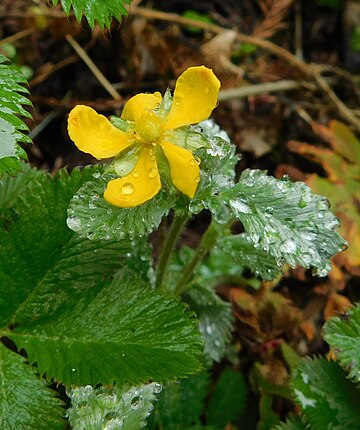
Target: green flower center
149,127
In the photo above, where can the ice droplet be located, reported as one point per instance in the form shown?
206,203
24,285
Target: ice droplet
127,188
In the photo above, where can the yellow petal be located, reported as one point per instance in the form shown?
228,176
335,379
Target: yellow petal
184,170
195,97
141,185
140,105
94,134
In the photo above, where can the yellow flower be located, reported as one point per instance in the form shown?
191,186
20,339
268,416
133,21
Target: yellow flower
195,97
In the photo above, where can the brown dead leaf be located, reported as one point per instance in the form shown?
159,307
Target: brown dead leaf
337,304
341,162
309,329
265,315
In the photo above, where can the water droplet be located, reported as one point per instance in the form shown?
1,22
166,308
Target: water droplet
157,388
136,174
74,121
153,172
74,224
197,179
177,103
127,188
192,162
73,370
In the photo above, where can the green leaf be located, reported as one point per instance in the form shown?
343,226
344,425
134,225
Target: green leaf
218,161
292,423
91,216
244,253
42,263
102,11
228,399
181,403
215,320
286,219
117,332
111,407
343,335
10,186
268,418
25,401
11,104
327,398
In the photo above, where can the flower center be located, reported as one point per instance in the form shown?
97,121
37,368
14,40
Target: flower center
148,127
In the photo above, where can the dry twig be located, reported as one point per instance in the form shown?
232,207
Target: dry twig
308,71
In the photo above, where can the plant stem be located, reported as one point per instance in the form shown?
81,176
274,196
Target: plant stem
173,234
206,243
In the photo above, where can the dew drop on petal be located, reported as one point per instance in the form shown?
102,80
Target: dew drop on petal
197,179
127,188
152,172
192,162
136,174
74,121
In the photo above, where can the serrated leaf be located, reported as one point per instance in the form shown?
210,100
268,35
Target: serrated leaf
215,320
91,216
42,263
115,407
292,423
218,161
25,401
102,11
228,399
327,398
286,219
122,331
181,403
244,253
343,335
11,104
